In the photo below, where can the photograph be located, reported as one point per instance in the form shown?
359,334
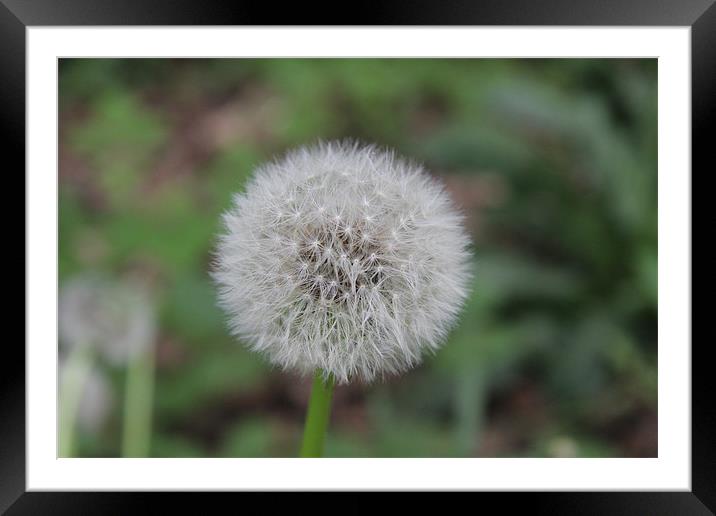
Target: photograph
357,257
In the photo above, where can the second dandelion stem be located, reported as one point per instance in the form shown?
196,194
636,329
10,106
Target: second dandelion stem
319,410
72,385
138,405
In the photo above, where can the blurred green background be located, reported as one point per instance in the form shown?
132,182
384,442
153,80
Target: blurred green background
553,161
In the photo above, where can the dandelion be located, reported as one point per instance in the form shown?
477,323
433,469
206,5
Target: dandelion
114,321
376,255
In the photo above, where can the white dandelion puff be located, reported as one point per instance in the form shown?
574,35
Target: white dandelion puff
115,319
367,274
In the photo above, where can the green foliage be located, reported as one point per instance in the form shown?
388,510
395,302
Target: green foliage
553,162
252,438
119,140
208,374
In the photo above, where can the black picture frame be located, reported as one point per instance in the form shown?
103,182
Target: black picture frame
17,15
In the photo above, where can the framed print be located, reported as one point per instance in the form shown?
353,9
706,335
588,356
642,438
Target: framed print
445,248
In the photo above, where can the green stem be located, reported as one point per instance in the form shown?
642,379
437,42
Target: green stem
319,410
74,377
139,392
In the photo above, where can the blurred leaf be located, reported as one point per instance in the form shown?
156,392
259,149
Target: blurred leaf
119,139
175,447
475,147
648,275
191,310
251,438
208,375
578,368
346,444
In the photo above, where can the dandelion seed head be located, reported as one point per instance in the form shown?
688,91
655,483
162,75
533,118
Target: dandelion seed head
380,272
115,319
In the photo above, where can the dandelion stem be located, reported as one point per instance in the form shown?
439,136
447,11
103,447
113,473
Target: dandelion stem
138,405
319,409
71,389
